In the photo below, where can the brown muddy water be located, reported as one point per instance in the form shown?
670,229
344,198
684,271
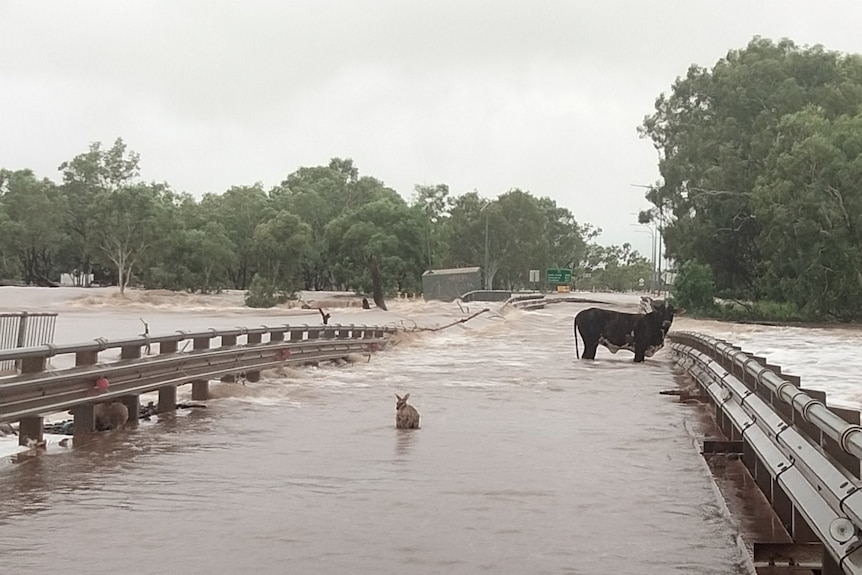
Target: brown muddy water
527,461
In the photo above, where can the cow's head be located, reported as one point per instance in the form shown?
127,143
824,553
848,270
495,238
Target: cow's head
663,309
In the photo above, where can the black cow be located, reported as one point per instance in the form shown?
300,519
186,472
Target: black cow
642,333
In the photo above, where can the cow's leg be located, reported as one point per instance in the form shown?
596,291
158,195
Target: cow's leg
590,348
640,353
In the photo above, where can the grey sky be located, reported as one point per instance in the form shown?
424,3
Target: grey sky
486,95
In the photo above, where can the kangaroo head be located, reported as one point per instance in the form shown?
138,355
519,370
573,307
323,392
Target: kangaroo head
402,401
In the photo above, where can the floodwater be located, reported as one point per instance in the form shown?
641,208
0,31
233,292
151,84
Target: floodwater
527,460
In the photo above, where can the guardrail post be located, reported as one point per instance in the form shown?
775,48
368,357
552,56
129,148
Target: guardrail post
313,332
296,333
130,352
226,341
133,404
168,394
167,399
252,376
21,336
802,532
32,365
201,387
276,336
342,332
86,357
200,390
355,332
29,428
84,419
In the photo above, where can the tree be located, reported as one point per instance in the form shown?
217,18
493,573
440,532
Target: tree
239,211
281,244
694,287
810,204
31,224
388,229
318,195
86,179
132,217
714,134
432,201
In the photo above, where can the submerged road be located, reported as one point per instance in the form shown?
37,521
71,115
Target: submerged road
528,461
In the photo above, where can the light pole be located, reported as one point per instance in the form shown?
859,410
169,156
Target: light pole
649,230
485,268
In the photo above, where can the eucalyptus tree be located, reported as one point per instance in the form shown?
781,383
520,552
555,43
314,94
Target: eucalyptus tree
318,195
282,243
31,225
388,229
809,202
465,230
715,133
239,211
134,223
432,201
87,178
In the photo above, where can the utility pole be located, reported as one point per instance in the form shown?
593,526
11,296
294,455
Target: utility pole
487,277
485,269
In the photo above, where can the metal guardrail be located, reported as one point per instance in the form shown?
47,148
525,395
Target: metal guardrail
527,301
24,329
803,455
37,391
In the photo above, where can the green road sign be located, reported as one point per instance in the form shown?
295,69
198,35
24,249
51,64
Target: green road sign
562,276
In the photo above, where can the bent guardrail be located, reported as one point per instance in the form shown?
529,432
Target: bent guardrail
527,301
803,455
38,391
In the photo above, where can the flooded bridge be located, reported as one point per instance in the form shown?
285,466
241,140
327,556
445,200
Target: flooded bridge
527,461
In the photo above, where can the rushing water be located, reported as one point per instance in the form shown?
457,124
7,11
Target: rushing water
527,461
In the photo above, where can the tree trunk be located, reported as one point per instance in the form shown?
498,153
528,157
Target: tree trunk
377,283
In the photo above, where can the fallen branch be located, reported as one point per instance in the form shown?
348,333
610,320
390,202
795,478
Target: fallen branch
462,320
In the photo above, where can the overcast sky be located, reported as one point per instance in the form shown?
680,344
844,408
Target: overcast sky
485,95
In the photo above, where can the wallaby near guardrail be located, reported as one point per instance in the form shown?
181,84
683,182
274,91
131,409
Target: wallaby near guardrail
111,415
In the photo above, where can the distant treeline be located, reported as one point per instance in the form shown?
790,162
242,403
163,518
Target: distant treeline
315,230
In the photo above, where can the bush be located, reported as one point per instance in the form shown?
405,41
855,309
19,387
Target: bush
264,293
694,287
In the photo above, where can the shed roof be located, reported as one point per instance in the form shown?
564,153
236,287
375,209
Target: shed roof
451,271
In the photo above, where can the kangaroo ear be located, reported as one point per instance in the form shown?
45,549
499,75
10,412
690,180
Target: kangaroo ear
398,397
406,396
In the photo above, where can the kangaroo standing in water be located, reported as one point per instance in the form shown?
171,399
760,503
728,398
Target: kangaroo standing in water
406,416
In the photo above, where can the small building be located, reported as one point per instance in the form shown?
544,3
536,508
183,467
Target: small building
449,284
